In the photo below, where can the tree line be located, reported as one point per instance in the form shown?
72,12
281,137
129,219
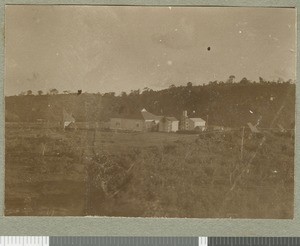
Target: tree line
226,104
231,80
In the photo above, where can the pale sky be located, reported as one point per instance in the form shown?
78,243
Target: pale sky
101,49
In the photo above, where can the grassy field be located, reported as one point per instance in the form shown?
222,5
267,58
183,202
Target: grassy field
90,172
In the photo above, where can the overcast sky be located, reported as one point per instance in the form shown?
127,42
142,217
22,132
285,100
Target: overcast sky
101,49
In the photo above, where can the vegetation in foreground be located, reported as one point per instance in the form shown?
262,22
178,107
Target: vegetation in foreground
86,172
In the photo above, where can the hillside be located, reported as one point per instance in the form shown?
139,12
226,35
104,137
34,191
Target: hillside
220,103
213,174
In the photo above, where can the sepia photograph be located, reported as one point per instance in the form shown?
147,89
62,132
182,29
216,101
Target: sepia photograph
150,111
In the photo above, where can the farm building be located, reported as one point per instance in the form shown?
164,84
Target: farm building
143,121
168,124
68,120
151,120
191,124
149,117
127,124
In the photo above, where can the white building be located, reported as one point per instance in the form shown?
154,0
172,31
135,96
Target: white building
168,124
68,120
191,124
142,121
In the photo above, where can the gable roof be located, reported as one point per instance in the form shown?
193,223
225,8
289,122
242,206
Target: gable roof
169,118
253,128
149,116
143,115
70,125
128,118
197,119
67,117
135,116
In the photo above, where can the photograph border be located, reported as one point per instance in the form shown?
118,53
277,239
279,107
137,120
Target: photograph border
116,226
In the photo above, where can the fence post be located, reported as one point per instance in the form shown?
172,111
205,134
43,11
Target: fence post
242,144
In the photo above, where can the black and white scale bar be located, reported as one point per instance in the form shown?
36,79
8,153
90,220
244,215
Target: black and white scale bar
253,241
128,241
175,241
148,241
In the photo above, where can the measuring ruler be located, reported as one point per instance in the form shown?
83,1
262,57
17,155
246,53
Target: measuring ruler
148,241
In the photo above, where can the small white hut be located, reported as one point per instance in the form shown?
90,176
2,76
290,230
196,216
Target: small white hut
68,120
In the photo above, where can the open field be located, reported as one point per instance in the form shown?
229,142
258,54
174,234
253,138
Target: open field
91,172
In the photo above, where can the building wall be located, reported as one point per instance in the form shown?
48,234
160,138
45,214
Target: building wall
191,125
184,123
175,126
165,126
151,126
187,124
168,126
127,124
201,124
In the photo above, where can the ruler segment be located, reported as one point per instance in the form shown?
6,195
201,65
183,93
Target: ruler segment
129,241
24,241
147,241
202,241
253,241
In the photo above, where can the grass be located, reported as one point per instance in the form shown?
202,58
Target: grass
52,172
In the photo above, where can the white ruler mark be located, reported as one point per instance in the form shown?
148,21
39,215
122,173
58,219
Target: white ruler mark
24,241
203,241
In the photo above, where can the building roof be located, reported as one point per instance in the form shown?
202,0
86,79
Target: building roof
171,118
197,119
149,116
128,118
70,124
67,117
140,115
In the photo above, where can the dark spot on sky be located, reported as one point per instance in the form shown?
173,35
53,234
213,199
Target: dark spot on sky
208,48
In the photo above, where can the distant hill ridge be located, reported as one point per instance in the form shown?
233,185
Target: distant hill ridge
220,104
